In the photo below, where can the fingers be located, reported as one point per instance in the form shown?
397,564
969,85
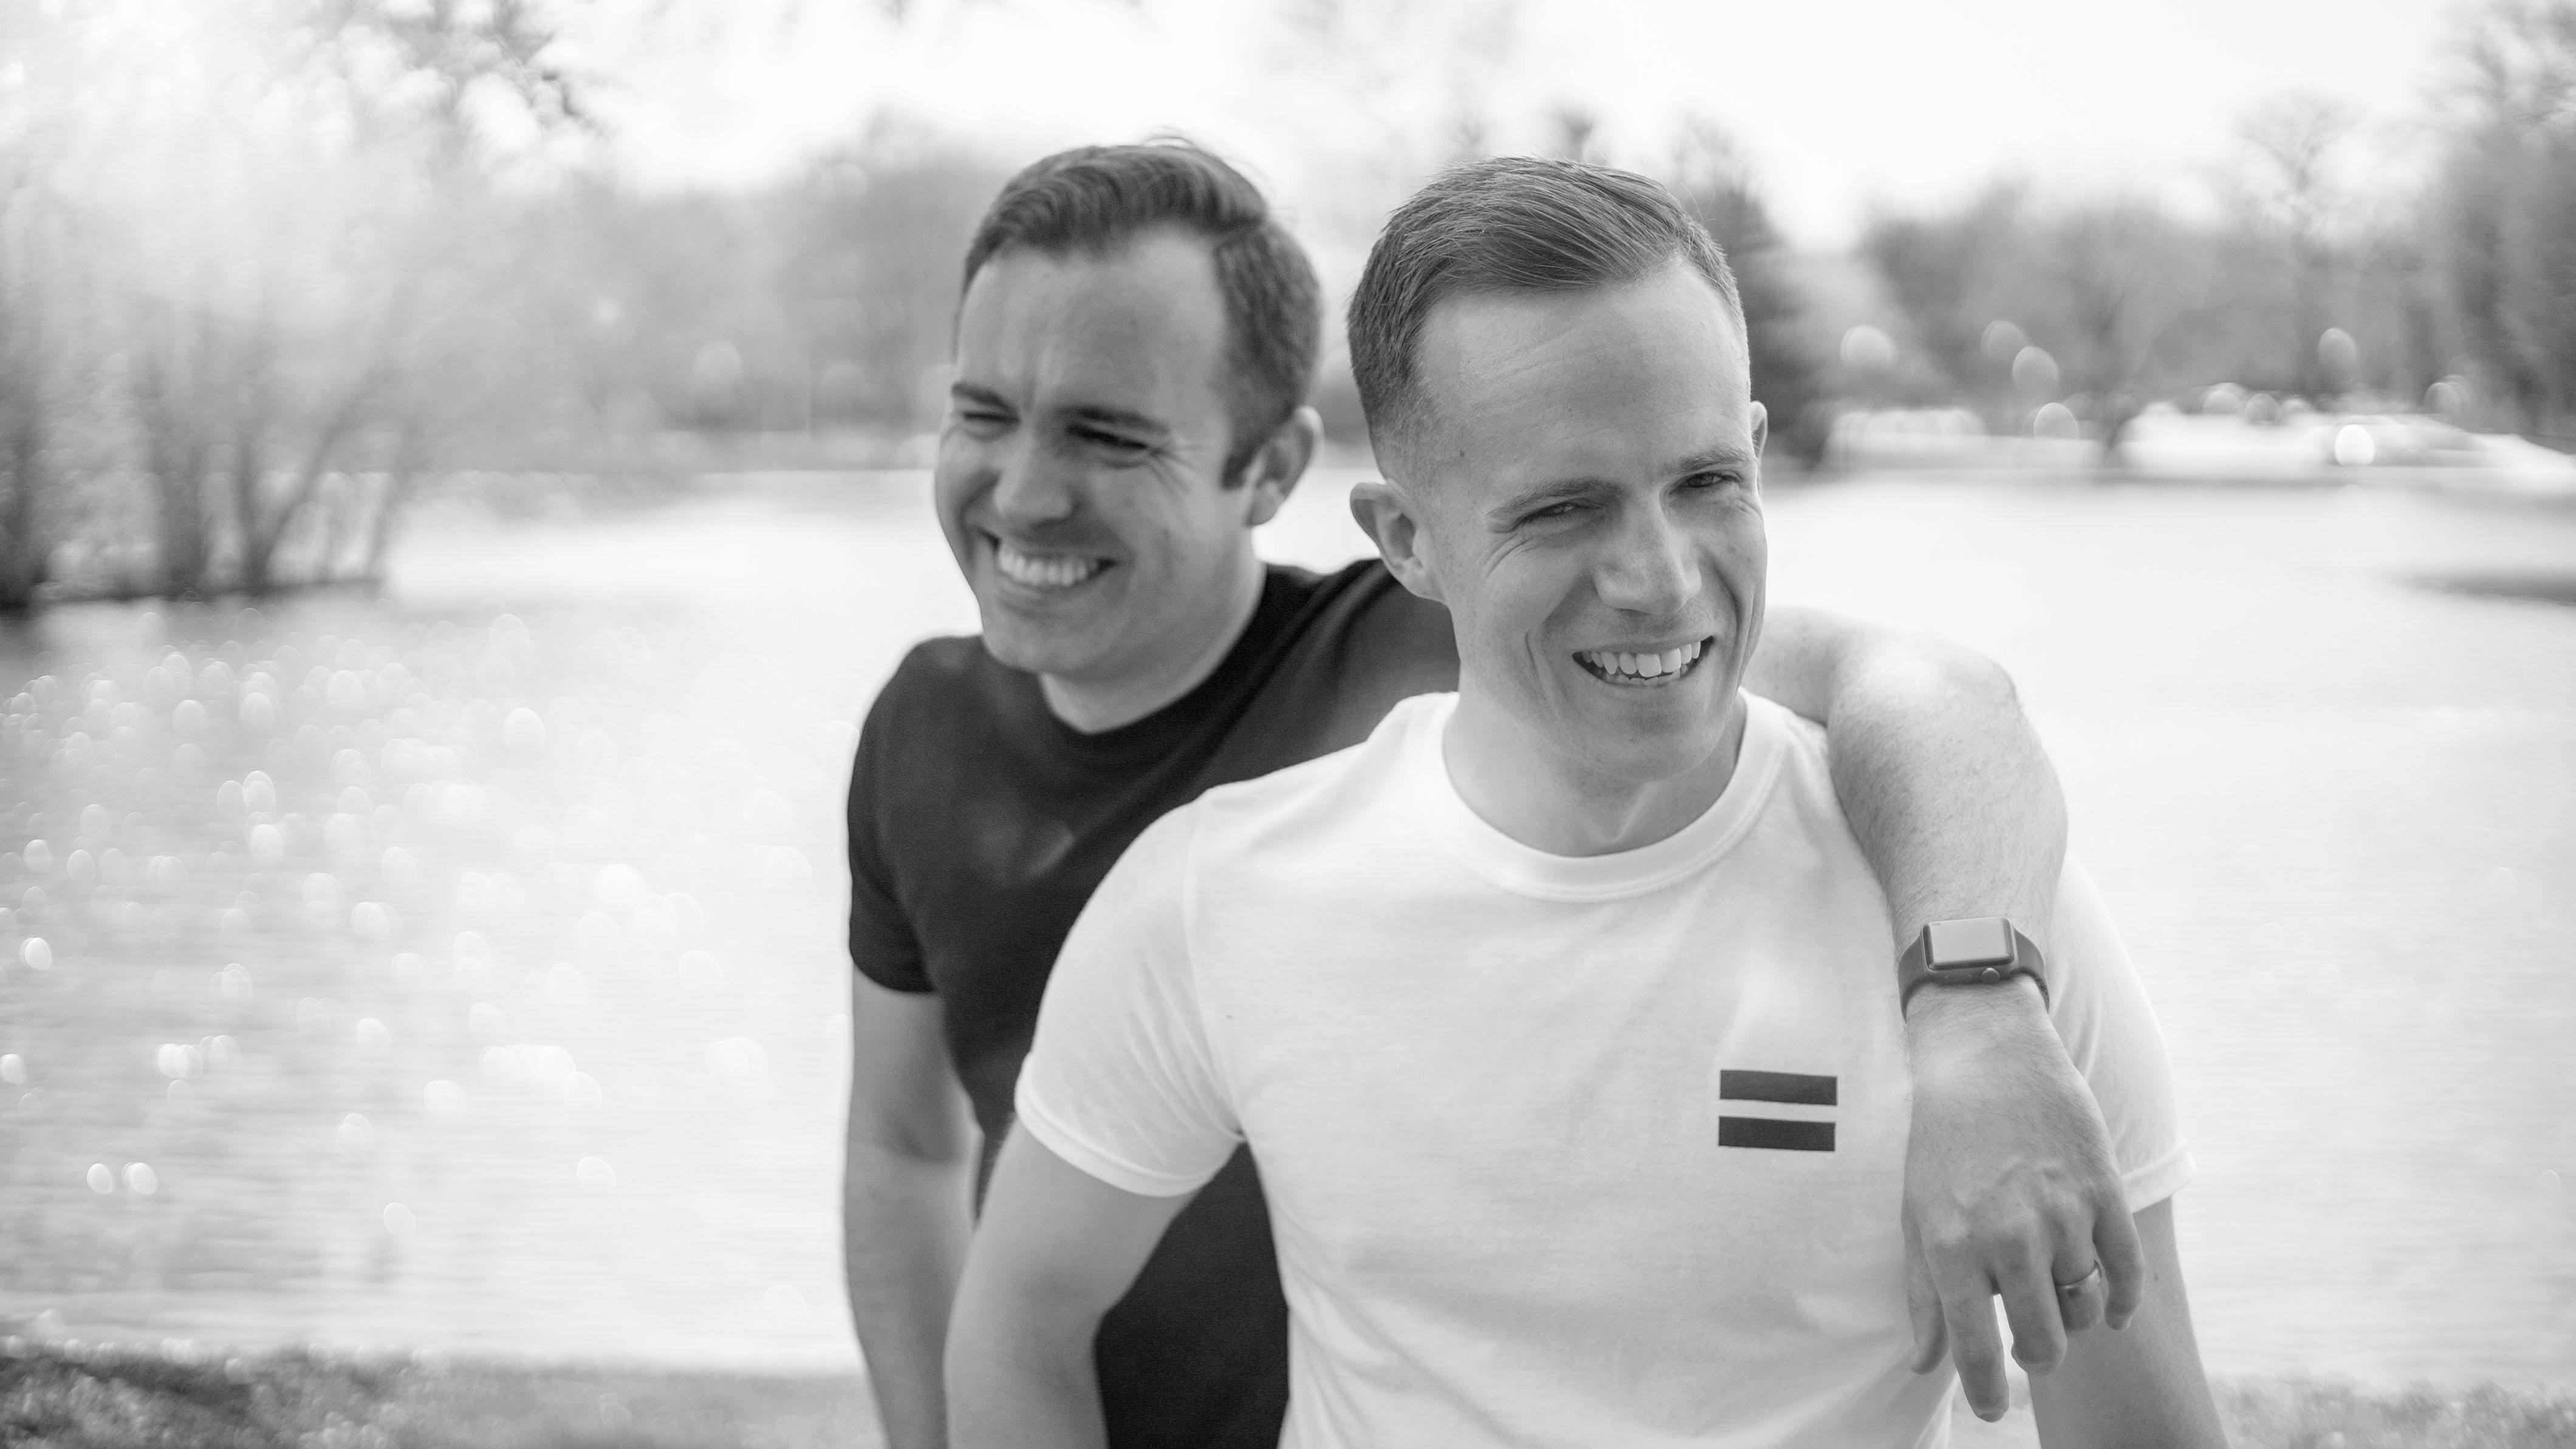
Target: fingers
1923,1305
2124,1262
2031,1306
1967,1310
2079,1300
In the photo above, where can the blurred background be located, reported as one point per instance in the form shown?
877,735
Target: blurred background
462,474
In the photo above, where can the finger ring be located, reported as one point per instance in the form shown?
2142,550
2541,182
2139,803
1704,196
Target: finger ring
2080,1284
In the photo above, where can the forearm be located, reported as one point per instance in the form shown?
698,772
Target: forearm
1023,1379
905,1226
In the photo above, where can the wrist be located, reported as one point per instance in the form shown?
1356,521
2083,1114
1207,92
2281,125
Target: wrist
1975,1018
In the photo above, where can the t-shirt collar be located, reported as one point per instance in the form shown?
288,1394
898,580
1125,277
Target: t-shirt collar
1525,870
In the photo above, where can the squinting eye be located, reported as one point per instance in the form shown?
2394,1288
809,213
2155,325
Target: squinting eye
1111,442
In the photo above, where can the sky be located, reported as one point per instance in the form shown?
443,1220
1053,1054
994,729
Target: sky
1839,109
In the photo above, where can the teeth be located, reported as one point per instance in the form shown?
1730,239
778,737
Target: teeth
1643,666
1044,571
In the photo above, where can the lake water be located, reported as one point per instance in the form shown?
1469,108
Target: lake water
462,967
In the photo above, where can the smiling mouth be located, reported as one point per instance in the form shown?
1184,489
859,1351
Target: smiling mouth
1044,571
1638,670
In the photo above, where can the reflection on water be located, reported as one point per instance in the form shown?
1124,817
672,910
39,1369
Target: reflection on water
463,967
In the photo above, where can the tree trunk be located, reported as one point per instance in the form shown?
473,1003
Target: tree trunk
258,543
22,545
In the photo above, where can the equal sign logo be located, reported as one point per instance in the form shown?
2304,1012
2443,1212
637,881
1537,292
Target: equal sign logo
1780,1134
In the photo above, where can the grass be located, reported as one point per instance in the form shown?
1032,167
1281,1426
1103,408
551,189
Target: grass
56,1396
61,1396
2328,1414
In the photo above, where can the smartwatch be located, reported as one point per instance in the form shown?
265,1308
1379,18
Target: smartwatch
1968,952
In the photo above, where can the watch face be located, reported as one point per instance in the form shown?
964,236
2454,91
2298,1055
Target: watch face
1981,941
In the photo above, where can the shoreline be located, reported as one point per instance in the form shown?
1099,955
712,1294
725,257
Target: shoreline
63,1394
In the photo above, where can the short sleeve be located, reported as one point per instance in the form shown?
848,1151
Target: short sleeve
883,946
2102,1012
1121,1081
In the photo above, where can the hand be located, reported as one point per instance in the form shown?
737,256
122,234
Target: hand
2009,1188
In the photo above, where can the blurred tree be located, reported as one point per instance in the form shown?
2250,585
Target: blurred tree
2115,291
1951,276
2292,194
1710,177
281,197
39,344
2505,207
874,235
2122,283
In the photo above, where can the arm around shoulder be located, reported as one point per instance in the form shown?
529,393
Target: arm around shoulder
1943,779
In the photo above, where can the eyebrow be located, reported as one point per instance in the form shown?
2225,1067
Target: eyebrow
967,392
1562,490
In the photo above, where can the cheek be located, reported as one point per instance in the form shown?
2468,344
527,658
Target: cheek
1521,602
955,480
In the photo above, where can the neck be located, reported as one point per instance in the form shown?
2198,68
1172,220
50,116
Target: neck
1534,793
1095,705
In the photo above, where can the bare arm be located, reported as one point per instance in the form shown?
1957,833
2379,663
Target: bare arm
2008,1169
905,1204
2142,1388
1056,1249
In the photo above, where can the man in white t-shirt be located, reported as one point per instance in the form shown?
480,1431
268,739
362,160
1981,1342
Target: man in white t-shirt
1556,1014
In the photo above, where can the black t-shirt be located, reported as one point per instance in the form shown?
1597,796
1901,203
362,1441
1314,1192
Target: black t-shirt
980,824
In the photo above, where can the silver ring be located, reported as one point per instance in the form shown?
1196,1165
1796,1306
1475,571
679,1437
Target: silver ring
2070,1290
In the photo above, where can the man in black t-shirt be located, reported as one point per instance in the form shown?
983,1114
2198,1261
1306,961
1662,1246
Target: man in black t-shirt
1134,341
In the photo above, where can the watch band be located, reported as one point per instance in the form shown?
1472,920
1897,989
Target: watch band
1917,968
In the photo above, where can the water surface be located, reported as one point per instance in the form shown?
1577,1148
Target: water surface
462,967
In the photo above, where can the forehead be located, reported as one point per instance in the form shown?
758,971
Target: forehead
1139,327
1606,380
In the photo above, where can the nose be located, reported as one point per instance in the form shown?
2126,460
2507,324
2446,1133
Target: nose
1647,565
1032,486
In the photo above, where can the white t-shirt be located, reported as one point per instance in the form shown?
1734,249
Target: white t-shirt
1558,1151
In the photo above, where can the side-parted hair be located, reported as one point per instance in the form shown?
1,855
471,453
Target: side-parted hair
1509,224
1095,199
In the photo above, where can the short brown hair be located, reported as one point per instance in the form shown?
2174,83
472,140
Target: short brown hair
1509,224
1098,198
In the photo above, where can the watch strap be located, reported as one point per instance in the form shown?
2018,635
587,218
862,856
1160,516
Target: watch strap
1914,972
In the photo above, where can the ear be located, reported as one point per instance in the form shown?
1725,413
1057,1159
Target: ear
1273,473
1761,439
1389,519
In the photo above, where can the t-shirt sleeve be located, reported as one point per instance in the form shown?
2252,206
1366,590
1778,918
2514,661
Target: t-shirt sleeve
883,946
2101,1010
1121,1081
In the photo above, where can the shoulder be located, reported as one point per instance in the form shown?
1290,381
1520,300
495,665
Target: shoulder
1790,806
931,716
1784,755
1363,608
1322,797
934,671
942,691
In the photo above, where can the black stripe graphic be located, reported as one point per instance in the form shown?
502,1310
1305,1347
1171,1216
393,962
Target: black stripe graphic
1773,1133
1796,1088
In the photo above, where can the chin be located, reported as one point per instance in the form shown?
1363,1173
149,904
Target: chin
1016,642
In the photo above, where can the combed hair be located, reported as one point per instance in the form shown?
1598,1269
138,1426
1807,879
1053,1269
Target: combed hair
1509,224
1094,199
